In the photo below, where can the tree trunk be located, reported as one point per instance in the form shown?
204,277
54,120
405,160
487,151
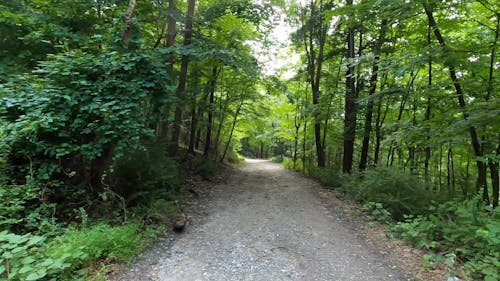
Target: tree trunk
494,166
162,127
182,81
304,137
297,125
315,64
238,109
495,181
440,167
127,31
378,124
261,150
476,145
194,114
373,87
394,146
450,171
208,139
350,104
222,109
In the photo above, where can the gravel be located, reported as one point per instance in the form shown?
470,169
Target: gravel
265,223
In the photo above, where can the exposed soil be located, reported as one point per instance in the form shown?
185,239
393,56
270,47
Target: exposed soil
268,223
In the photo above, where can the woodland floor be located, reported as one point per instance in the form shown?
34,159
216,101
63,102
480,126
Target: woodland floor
267,223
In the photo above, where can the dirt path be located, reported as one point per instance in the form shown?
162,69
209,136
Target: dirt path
266,223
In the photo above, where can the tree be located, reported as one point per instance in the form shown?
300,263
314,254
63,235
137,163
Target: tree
350,110
181,88
373,87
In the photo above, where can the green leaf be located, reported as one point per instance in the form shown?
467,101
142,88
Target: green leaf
25,269
35,276
27,260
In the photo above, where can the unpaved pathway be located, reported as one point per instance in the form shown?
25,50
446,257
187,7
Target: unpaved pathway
266,223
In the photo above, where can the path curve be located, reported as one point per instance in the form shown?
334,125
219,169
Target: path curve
267,223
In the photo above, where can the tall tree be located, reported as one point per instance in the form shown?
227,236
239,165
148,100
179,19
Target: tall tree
373,87
315,30
350,109
476,144
182,80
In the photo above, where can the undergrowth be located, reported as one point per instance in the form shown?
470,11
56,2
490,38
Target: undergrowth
460,229
37,243
70,255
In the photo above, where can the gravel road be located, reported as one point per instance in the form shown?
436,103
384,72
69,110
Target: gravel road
266,223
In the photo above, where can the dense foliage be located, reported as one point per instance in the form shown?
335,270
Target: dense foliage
98,102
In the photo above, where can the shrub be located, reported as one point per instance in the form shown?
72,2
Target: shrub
288,164
99,242
376,212
205,167
400,193
327,176
21,259
13,205
66,122
234,157
29,257
276,159
145,175
460,228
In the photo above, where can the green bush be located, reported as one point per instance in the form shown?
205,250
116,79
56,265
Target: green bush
100,242
21,210
21,258
400,193
276,159
376,212
233,157
147,174
13,204
205,167
66,257
77,111
288,164
460,228
327,176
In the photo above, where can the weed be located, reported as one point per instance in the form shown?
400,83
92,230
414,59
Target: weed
376,212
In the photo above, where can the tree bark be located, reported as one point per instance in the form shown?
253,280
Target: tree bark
194,116
181,88
238,109
428,110
304,137
379,122
163,126
297,125
213,83
493,164
373,87
495,181
315,64
350,104
127,31
222,109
